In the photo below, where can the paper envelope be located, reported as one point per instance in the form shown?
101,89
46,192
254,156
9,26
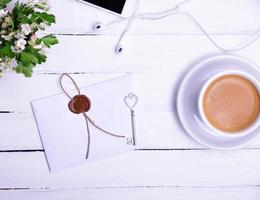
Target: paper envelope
64,134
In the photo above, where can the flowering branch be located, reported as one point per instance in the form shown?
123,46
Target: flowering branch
20,49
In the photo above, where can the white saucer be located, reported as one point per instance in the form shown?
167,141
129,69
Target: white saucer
188,95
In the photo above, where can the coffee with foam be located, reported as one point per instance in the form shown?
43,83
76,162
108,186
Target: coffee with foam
231,103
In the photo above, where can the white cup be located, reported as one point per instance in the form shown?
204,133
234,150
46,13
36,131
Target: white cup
215,130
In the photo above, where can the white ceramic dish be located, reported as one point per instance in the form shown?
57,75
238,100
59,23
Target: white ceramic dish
219,132
188,94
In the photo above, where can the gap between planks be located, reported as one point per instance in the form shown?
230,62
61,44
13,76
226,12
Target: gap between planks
133,187
242,33
152,149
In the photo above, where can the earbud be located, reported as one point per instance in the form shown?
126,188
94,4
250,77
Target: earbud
97,26
119,49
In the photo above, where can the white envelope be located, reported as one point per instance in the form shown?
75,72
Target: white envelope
64,134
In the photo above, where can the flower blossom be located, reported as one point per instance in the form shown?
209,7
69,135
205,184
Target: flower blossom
20,44
3,13
8,37
7,64
26,29
20,35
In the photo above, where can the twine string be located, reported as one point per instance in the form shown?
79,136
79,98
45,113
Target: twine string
88,133
87,118
62,87
101,129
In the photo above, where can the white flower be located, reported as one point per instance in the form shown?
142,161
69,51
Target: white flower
6,22
2,32
43,25
7,64
3,13
33,26
39,5
20,44
20,35
26,29
8,37
13,49
16,49
42,4
33,1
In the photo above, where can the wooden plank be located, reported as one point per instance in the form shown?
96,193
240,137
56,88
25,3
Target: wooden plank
140,168
211,14
152,193
159,53
19,131
22,132
20,91
142,53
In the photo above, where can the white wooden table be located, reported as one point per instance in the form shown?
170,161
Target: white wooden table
172,166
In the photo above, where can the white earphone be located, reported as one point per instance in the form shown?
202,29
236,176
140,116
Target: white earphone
119,47
98,26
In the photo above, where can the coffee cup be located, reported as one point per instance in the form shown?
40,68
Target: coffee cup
210,94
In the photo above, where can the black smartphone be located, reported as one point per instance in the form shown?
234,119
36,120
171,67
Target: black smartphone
115,6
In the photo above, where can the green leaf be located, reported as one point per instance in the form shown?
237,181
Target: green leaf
27,70
28,58
36,52
3,3
48,18
39,17
18,68
6,51
20,13
22,8
48,40
22,18
11,24
41,58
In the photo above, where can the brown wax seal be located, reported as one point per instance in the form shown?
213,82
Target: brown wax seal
79,104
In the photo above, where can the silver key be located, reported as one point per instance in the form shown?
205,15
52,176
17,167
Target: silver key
130,101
